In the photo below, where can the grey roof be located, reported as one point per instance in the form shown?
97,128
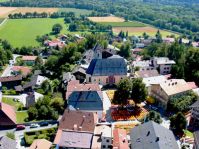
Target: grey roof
196,137
151,135
74,139
114,65
68,77
86,100
7,143
32,83
195,104
147,73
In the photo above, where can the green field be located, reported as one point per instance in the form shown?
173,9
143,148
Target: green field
77,12
3,1
21,116
23,32
124,24
10,101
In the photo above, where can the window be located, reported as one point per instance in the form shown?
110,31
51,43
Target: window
107,140
104,146
89,79
106,80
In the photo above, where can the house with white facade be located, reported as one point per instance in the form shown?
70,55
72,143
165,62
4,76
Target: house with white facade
164,91
162,64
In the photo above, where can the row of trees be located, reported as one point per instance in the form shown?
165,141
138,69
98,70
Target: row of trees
40,15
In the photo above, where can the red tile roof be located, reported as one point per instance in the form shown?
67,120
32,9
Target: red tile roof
74,86
9,111
120,140
25,70
76,120
11,78
29,58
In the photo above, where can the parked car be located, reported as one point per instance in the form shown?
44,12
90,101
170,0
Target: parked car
34,125
43,124
20,127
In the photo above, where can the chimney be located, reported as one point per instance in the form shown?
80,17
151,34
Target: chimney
148,133
75,127
157,139
80,128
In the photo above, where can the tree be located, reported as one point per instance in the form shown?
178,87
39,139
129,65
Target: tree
57,28
145,35
123,91
10,135
32,113
139,92
125,50
72,27
154,116
58,105
158,37
178,123
46,86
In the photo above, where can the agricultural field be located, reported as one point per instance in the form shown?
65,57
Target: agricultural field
77,12
23,32
106,19
124,24
4,11
138,31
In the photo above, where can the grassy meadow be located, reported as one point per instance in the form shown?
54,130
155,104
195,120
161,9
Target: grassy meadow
23,32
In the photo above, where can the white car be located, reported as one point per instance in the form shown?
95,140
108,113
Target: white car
34,125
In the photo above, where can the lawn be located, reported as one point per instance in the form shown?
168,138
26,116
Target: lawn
188,133
23,32
77,12
124,24
48,134
21,116
10,101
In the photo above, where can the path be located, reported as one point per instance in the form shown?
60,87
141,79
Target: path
7,71
3,22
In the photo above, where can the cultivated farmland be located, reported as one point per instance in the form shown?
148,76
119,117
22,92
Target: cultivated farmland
138,31
4,11
124,24
106,19
23,10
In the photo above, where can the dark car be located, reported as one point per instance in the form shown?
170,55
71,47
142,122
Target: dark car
43,124
20,127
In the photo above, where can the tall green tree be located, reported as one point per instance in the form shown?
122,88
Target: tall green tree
123,91
57,28
154,116
178,123
139,92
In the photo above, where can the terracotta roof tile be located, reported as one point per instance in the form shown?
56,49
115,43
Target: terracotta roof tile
120,139
11,78
29,58
40,144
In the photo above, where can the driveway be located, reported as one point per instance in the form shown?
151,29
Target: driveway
7,71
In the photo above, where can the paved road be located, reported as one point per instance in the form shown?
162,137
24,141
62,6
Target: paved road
7,71
19,135
3,21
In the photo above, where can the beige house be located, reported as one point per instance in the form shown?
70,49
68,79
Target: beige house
164,91
106,71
